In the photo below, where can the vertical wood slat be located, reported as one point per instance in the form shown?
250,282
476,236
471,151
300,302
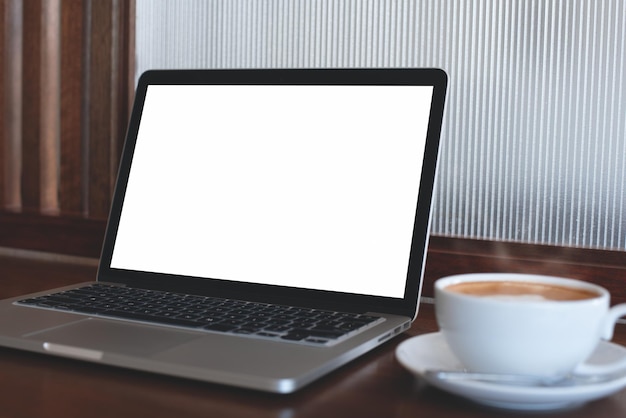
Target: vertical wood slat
125,76
12,100
99,88
50,107
72,68
3,93
31,99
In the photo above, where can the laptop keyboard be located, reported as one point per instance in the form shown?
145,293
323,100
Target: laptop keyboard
260,320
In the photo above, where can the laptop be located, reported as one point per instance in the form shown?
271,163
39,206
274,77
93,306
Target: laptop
267,227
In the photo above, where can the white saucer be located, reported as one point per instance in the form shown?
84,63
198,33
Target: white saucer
430,351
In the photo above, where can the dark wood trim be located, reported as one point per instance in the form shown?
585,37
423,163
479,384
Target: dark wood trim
508,250
52,234
77,236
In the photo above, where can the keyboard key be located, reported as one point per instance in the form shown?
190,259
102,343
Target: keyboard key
220,327
294,336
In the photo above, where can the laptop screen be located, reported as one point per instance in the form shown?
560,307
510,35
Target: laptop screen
305,186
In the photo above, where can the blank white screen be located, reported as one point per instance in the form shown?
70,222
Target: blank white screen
304,186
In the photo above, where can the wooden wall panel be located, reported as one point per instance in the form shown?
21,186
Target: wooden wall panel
67,80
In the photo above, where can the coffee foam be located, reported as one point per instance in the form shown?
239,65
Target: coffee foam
518,298
520,291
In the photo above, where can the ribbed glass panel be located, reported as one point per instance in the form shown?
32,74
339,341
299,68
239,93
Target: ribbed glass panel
534,139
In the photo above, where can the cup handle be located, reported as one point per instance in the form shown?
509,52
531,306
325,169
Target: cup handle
606,333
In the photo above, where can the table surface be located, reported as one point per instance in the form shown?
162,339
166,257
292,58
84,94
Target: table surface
375,385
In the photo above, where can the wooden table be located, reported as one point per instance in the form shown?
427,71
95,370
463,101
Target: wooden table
375,385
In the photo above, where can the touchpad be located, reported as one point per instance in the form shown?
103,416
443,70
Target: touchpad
108,336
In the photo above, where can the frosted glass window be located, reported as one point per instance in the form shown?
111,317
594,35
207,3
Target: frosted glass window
533,146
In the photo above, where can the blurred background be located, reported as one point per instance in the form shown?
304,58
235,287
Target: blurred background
534,136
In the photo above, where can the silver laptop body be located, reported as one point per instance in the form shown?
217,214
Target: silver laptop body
308,188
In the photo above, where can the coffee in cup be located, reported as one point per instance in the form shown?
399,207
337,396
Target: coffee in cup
524,323
520,290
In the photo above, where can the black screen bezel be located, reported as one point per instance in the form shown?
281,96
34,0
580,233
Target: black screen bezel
406,306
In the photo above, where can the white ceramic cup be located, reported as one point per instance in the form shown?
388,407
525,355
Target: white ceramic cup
525,335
